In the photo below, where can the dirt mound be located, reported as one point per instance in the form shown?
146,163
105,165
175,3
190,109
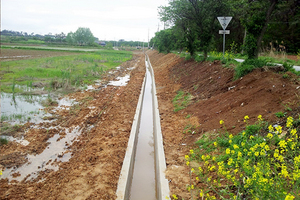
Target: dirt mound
215,96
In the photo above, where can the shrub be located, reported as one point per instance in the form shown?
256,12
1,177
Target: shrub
248,66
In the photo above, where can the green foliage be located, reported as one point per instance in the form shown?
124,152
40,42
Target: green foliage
248,66
3,141
165,40
82,36
181,100
196,20
280,114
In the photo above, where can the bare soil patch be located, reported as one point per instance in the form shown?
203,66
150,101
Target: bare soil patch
20,54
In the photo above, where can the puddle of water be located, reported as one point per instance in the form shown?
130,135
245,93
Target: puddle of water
21,108
15,56
122,81
143,180
20,141
65,103
45,160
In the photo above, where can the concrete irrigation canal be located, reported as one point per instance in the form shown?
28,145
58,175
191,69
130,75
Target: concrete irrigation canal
142,175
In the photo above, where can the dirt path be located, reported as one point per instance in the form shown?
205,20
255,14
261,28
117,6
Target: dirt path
105,118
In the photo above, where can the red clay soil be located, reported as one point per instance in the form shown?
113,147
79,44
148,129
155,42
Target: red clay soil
215,96
97,155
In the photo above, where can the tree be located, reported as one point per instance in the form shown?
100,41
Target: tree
83,36
197,19
257,15
164,40
70,38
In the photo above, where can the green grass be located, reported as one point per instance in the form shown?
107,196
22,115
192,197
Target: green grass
64,70
181,100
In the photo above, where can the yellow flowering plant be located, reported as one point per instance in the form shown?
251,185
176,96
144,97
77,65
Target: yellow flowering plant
257,162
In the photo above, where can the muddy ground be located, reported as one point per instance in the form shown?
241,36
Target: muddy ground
105,117
21,54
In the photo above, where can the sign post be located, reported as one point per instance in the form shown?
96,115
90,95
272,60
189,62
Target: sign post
224,21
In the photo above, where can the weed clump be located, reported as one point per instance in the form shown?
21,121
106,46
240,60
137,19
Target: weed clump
248,66
181,100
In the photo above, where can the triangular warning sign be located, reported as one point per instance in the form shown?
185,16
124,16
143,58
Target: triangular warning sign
224,21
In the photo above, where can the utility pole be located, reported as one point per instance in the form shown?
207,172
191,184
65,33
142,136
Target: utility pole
148,38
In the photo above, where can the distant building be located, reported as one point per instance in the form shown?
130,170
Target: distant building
102,44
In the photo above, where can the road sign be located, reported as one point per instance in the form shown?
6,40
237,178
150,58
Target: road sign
224,21
224,31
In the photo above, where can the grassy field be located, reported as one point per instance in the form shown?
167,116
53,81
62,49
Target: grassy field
59,71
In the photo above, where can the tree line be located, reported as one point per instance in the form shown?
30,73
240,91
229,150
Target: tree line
256,25
81,37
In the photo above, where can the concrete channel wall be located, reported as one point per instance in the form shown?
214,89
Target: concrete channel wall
162,185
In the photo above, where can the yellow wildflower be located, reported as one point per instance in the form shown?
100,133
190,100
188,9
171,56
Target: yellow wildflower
191,151
221,122
289,197
259,118
197,178
187,163
201,193
293,132
216,144
278,129
230,136
200,169
230,141
271,128
227,151
174,196
246,118
235,146
289,122
270,135
282,143
186,157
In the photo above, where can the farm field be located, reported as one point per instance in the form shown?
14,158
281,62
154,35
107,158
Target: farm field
98,117
55,69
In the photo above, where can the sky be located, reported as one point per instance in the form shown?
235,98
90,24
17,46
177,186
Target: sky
107,19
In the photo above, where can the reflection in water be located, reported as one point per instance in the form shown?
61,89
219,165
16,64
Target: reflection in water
55,151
